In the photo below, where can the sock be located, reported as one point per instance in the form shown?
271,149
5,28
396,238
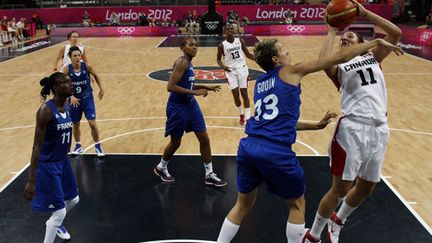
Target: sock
247,113
78,143
208,168
345,211
294,232
227,232
53,223
163,163
50,233
318,225
240,110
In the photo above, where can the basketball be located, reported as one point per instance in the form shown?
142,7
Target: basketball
341,13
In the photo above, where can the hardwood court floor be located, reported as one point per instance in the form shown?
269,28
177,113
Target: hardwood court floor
131,116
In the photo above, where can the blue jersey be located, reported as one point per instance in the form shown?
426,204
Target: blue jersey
57,136
81,81
277,109
187,81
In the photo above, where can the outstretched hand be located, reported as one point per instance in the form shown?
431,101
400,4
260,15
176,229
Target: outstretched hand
362,11
326,119
215,88
200,92
74,101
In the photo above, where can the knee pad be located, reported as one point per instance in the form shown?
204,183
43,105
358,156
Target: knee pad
57,217
71,203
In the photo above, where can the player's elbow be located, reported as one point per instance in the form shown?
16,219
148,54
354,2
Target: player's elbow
397,34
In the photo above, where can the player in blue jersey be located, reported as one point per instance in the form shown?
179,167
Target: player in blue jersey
51,186
82,100
265,155
184,114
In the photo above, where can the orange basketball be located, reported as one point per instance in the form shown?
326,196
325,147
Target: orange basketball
341,13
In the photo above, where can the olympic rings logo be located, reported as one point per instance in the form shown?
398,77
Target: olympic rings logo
296,28
425,36
211,26
126,30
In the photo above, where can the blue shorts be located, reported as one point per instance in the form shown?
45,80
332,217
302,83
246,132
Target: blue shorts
184,117
55,183
261,161
86,106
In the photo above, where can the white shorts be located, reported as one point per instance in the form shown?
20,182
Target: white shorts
237,77
357,149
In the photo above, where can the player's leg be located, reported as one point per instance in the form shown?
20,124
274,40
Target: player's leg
171,147
89,110
234,87
94,130
177,117
284,169
346,161
76,114
211,178
368,175
296,219
243,74
161,169
231,224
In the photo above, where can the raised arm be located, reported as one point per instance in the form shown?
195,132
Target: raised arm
393,32
319,125
246,51
343,55
327,50
43,116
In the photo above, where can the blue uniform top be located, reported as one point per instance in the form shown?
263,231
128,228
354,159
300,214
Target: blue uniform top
187,81
81,81
277,109
58,135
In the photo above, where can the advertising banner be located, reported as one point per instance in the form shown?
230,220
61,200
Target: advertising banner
130,14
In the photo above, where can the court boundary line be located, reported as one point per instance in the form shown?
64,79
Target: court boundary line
160,42
407,205
14,177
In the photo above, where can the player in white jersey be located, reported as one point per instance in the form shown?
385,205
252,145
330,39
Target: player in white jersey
234,51
361,135
63,53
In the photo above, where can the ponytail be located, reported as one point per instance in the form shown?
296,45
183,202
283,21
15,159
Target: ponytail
48,83
45,91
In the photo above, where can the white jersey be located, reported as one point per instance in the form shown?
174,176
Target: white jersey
66,58
363,89
233,54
